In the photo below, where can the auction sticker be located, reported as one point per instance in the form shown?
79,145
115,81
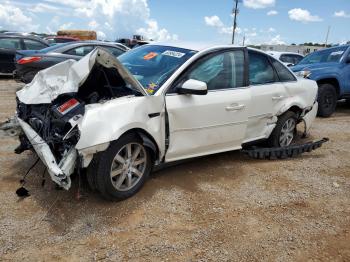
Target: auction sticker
173,53
150,56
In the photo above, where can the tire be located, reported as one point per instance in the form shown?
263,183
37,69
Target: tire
327,100
279,134
129,178
29,76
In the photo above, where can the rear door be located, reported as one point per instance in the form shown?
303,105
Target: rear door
216,122
268,95
8,47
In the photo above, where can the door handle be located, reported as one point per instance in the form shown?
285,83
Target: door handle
275,98
235,107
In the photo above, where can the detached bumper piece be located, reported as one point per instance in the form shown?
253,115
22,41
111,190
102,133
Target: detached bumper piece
59,172
284,152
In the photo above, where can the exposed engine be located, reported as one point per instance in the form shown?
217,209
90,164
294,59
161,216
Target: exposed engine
56,122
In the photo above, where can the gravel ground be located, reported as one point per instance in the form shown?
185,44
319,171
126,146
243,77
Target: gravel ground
224,207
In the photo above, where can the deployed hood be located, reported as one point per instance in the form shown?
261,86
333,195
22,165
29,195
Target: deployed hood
315,66
68,76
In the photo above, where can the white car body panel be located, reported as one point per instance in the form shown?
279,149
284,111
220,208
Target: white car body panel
220,121
201,125
115,117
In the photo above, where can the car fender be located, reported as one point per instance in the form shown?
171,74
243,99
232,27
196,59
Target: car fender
106,122
301,94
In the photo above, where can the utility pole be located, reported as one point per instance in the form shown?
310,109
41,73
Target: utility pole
329,28
235,13
243,40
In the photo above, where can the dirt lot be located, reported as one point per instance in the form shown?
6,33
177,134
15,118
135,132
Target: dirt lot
224,207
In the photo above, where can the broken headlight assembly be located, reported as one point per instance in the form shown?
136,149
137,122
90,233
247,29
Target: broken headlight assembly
303,73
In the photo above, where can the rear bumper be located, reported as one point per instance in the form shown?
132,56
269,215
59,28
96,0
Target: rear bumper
59,172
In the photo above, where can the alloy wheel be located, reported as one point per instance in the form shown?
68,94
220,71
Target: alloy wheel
287,132
128,166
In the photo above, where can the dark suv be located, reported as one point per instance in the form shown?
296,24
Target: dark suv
9,44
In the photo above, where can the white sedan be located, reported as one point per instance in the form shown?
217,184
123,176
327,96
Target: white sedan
158,103
287,58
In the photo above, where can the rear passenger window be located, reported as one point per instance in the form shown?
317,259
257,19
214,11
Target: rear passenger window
33,45
10,43
80,51
283,73
287,59
260,69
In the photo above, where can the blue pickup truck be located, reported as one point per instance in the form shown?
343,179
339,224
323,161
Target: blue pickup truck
330,68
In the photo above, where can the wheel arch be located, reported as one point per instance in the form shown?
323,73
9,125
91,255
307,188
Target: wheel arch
148,141
331,80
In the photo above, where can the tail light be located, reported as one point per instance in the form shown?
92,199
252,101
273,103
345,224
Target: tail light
29,59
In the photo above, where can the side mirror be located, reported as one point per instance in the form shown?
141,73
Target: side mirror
193,87
347,60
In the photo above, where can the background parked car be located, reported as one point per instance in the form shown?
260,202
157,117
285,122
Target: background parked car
331,69
52,40
31,62
287,58
10,43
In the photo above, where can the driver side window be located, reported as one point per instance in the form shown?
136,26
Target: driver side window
221,71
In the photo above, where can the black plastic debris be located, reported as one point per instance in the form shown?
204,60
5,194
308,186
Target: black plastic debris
284,152
22,192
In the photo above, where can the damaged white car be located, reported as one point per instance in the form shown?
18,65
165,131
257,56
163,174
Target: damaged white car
157,104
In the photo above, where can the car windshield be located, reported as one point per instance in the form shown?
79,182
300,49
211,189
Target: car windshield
324,56
152,65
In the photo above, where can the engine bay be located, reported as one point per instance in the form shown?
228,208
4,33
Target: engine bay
56,123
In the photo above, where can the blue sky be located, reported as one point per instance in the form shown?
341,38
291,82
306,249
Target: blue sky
261,21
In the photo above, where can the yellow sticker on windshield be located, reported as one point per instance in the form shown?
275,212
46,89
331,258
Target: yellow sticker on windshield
151,88
150,56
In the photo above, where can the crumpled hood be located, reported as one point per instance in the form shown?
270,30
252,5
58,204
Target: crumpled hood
311,67
68,76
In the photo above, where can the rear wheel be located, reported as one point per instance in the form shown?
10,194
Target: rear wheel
284,131
327,100
123,168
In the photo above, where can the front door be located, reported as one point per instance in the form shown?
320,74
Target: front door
216,122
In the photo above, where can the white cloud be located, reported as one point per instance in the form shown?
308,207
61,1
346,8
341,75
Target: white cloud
43,8
12,18
120,18
303,15
341,13
272,12
93,24
271,29
276,40
213,21
152,31
101,35
257,4
66,26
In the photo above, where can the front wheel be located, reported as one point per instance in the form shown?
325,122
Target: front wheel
284,131
123,168
327,100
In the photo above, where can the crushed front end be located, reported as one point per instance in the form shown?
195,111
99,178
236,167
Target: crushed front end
51,107
51,130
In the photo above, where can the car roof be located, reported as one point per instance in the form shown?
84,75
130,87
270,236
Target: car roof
32,37
281,52
62,47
